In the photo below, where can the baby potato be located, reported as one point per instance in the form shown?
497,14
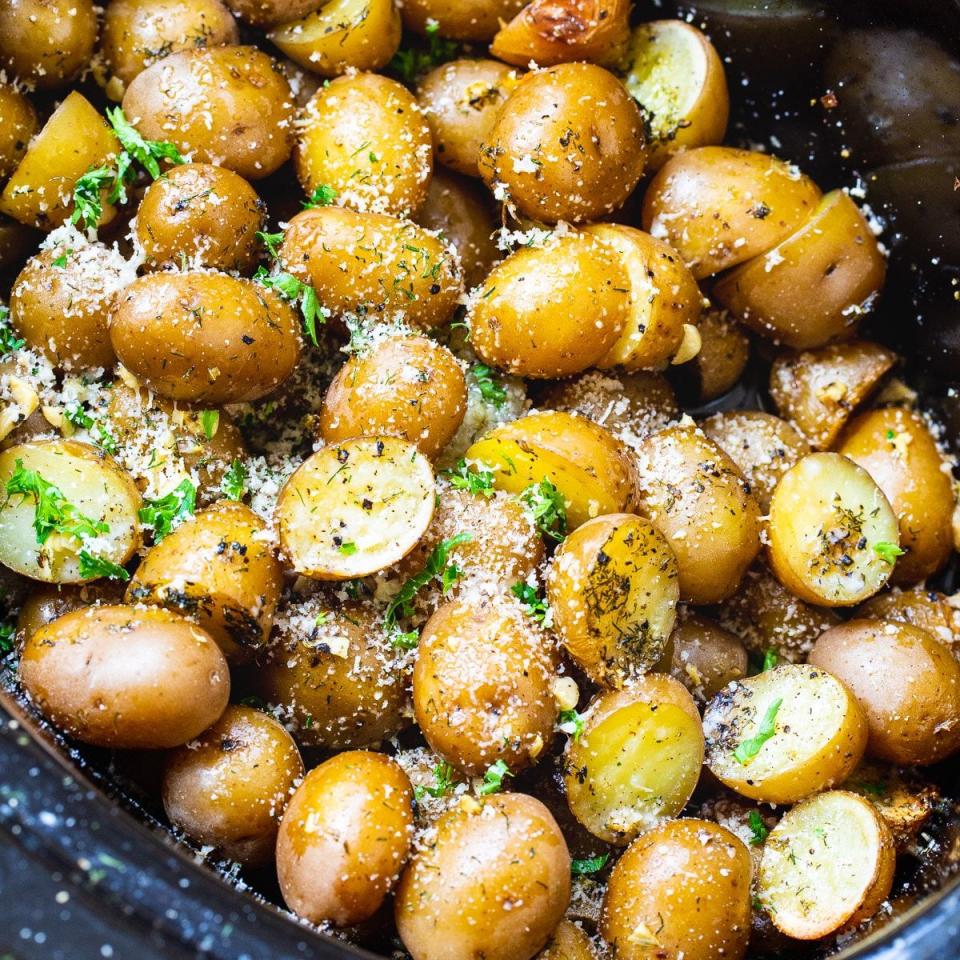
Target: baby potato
364,136
47,603
706,657
548,153
819,390
827,864
680,890
209,215
613,589
551,311
19,125
495,881
270,13
460,101
784,734
907,682
920,606
483,685
340,36
229,106
663,297
718,365
676,75
75,138
832,536
568,942
470,20
694,495
895,446
345,837
137,33
718,206
815,286
134,678
17,242
354,508
205,337
46,43
763,447
637,760
67,506
591,470
549,33
371,264
905,803
228,788
409,387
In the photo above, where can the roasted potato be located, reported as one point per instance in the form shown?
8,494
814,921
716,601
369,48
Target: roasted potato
705,657
921,606
904,801
270,13
568,942
47,603
19,126
17,242
471,20
723,351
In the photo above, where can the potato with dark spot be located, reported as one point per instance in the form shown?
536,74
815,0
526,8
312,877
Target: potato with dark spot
19,125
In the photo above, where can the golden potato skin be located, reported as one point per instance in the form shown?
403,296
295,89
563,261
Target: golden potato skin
126,677
907,682
551,311
719,365
552,158
345,837
269,13
490,853
364,135
19,125
471,20
46,43
682,888
920,606
705,657
205,337
229,106
568,942
209,215
228,787
46,603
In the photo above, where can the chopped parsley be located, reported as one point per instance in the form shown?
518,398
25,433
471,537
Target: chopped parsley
490,388
444,781
61,261
405,641
348,549
9,341
751,747
87,205
534,606
234,482
493,778
271,241
758,828
209,420
770,659
7,633
78,417
477,481
409,62
583,868
322,196
167,513
571,723
92,567
888,552
148,153
296,291
548,508
436,567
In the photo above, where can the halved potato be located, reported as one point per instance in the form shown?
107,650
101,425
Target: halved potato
827,864
355,507
784,734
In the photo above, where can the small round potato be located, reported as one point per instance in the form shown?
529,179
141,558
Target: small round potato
568,942
228,788
269,13
827,864
784,734
719,206
206,214
205,337
907,682
364,137
929,609
470,20
19,125
126,677
46,604
356,507
482,685
345,837
551,311
495,881
550,155
680,890
613,589
409,387
17,242
706,657
230,106
718,365
832,536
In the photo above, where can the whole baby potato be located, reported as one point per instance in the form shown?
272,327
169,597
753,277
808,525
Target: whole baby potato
205,337
471,20
19,125
47,603
126,677
705,657
720,362
269,13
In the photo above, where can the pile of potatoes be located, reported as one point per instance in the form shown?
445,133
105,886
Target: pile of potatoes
344,473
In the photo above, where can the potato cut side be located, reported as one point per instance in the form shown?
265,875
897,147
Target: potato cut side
784,734
904,801
355,507
833,537
829,863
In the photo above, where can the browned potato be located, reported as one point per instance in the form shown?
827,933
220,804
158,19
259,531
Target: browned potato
895,446
763,446
517,857
230,106
46,604
482,685
345,837
819,390
706,657
472,20
126,677
719,206
904,801
205,337
46,43
933,611
696,497
548,154
228,788
269,13
364,137
206,214
19,125
460,100
724,351
551,311
568,942
681,890
908,683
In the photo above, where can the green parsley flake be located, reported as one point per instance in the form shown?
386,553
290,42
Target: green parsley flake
751,747
757,827
209,420
9,341
167,513
234,482
295,291
436,567
476,480
589,865
445,780
548,508
534,605
490,388
322,196
888,552
493,778
571,723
